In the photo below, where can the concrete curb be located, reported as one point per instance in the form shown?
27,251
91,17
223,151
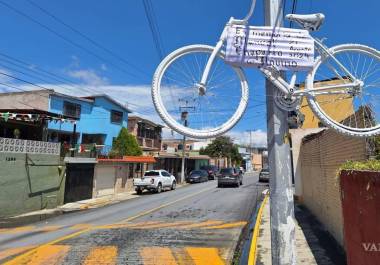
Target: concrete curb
43,214
253,248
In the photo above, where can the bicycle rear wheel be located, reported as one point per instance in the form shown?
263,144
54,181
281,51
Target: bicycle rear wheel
211,112
351,111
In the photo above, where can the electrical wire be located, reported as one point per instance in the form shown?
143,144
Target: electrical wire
92,41
153,25
294,8
61,36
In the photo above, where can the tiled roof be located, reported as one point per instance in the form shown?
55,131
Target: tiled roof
130,159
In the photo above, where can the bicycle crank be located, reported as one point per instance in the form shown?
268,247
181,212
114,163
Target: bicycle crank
286,102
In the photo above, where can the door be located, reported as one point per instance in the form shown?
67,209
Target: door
166,179
79,182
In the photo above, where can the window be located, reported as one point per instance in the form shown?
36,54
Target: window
151,173
165,174
116,116
71,109
93,138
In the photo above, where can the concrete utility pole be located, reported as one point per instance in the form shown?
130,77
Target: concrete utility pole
184,115
281,191
184,118
250,148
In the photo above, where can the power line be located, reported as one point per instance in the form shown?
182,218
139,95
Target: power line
153,25
294,8
25,81
95,43
35,69
79,46
29,67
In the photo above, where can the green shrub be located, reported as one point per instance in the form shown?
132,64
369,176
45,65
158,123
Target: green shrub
369,165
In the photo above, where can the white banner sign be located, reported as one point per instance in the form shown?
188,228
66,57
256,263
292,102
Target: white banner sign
283,48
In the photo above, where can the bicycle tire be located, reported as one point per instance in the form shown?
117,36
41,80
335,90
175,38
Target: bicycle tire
325,118
178,127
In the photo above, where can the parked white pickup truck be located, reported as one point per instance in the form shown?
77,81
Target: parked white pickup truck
154,180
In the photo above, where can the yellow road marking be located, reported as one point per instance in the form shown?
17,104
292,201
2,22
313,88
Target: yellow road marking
49,228
157,256
163,225
16,229
201,224
126,225
252,250
228,225
30,252
80,226
14,251
102,255
44,255
165,205
205,256
182,257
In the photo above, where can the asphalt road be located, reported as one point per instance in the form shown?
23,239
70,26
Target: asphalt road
196,224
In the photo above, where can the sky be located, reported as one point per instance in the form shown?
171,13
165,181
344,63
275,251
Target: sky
81,67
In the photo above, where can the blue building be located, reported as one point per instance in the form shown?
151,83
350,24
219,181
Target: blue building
46,115
99,118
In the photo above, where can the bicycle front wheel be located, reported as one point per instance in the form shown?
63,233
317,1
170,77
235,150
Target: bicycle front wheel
211,110
353,111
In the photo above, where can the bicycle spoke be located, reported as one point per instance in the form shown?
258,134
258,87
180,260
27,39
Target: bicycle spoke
355,108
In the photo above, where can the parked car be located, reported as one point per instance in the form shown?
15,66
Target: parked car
197,176
155,180
230,176
212,171
264,175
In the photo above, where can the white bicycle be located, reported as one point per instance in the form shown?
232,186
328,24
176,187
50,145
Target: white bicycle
341,88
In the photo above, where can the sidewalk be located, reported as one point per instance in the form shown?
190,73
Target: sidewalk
70,207
309,250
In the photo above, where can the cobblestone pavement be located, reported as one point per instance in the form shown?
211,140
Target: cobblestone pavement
201,227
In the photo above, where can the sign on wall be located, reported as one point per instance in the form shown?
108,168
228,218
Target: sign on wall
283,48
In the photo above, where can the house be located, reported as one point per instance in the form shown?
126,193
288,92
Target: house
95,119
148,134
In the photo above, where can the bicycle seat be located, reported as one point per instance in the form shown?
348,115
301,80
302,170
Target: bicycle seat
310,22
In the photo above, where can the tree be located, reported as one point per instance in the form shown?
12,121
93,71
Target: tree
125,144
223,146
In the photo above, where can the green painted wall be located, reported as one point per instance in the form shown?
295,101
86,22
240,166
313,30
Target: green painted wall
30,182
201,162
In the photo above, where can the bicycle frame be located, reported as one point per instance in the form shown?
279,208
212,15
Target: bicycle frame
275,76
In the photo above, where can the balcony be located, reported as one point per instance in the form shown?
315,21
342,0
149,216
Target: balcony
149,143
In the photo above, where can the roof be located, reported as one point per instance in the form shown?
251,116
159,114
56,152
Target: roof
130,159
48,91
80,160
179,155
92,97
37,111
139,118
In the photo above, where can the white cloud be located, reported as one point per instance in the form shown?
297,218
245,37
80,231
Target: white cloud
88,77
259,138
103,67
4,78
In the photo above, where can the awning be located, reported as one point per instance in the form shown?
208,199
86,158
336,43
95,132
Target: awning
130,159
